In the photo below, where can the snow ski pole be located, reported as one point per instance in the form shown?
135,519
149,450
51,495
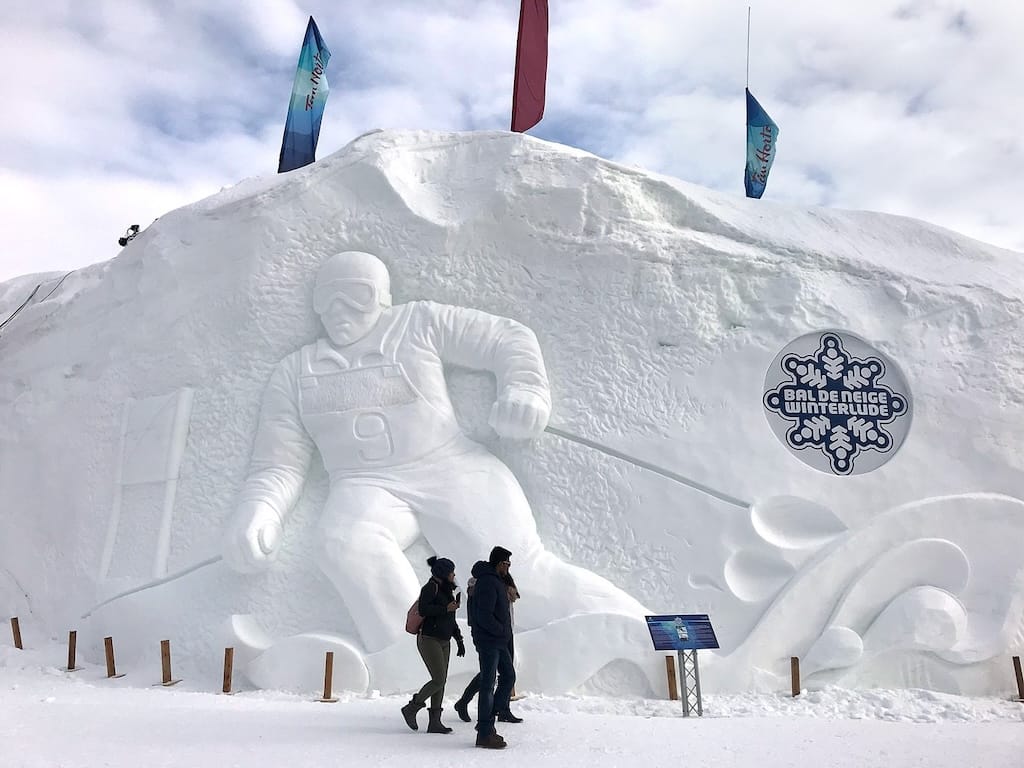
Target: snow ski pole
675,476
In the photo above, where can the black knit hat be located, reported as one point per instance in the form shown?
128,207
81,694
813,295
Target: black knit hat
440,566
499,554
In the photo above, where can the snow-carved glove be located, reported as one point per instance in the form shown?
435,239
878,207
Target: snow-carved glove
461,645
253,537
520,414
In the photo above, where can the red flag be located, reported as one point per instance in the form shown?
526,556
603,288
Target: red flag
531,65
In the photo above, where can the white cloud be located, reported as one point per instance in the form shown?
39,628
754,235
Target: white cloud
115,112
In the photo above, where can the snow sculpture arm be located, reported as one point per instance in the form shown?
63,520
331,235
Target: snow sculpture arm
277,471
478,340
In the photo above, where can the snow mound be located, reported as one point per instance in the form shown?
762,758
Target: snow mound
129,395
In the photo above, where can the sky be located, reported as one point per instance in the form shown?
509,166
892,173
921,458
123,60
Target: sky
117,111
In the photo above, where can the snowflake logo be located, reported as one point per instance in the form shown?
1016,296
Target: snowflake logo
836,403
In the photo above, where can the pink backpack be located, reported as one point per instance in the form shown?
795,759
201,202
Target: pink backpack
413,620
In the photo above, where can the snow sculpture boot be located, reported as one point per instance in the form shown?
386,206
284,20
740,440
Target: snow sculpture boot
491,741
462,707
409,712
436,726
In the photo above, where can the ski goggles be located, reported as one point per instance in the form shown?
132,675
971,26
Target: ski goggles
358,293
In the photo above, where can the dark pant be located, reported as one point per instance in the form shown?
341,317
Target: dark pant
474,687
435,654
494,663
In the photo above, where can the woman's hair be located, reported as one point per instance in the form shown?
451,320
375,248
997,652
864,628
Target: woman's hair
440,566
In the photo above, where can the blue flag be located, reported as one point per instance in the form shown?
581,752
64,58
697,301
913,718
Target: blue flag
762,134
309,94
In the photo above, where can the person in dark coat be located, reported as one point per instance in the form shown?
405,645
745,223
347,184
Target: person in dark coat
437,606
502,709
490,620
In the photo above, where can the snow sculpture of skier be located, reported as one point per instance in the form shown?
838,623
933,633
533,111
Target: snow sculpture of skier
373,399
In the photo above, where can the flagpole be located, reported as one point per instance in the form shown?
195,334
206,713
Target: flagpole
748,46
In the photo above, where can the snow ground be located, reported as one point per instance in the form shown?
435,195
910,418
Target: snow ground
51,718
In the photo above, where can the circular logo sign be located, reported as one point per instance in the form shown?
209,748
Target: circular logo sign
837,403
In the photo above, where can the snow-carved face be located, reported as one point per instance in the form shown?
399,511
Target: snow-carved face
352,291
351,313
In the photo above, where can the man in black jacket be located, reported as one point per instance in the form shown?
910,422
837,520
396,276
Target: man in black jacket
491,622
503,711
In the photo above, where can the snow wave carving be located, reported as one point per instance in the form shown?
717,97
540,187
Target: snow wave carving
906,611
921,563
789,522
921,619
755,576
837,648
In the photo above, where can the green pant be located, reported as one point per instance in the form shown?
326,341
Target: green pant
435,655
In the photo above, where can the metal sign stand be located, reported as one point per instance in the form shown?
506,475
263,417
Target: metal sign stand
689,677
685,634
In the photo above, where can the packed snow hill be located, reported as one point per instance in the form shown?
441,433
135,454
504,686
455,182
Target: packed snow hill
641,312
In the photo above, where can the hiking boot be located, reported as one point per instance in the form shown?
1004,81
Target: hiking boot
409,712
508,717
436,726
491,741
462,708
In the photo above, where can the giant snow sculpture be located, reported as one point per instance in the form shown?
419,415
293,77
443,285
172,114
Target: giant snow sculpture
910,575
371,396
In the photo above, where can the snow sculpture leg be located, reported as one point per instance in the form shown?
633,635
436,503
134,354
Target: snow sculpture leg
472,502
361,539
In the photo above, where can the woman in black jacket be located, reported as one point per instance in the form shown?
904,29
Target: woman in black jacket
437,606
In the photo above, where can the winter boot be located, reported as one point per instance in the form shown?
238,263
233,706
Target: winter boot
491,741
436,726
462,707
409,712
508,717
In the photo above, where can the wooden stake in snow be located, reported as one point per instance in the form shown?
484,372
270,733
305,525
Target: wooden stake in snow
794,673
670,670
16,631
328,678
72,643
229,662
108,645
165,664
1020,677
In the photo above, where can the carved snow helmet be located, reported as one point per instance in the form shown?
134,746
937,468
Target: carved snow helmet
358,279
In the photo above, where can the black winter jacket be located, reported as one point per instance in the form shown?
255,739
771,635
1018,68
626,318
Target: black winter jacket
489,616
438,621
